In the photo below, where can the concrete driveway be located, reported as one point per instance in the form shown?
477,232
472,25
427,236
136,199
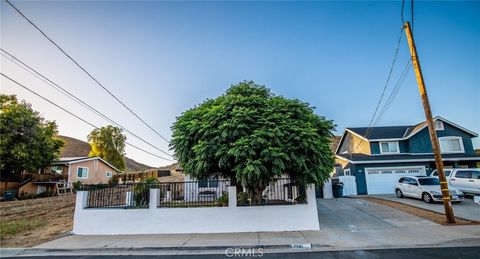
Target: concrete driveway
466,209
356,214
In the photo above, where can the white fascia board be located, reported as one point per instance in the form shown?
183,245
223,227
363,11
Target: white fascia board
340,142
416,160
424,126
343,158
93,158
356,134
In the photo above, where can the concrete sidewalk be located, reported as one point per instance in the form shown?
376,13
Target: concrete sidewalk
346,224
328,240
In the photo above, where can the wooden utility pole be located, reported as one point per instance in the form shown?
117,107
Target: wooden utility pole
431,127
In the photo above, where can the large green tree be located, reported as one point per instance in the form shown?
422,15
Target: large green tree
253,136
27,140
108,143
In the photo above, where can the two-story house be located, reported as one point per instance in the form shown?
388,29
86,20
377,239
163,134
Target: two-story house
379,156
65,171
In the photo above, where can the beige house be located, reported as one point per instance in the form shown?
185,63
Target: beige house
61,174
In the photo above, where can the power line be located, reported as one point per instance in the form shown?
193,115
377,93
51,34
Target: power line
401,13
84,70
394,92
386,84
62,90
76,116
412,13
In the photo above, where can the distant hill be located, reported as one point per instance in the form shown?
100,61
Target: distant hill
74,148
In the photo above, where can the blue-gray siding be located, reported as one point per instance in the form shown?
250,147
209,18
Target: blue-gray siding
420,142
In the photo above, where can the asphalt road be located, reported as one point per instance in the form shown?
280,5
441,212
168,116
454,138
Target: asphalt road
411,253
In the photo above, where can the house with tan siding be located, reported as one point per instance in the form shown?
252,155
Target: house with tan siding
62,173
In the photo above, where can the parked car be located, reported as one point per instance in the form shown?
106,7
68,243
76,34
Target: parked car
465,179
426,188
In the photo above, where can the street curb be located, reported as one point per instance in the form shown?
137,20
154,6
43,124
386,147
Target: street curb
21,252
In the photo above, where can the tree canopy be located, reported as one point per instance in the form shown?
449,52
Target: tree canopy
27,140
109,144
252,136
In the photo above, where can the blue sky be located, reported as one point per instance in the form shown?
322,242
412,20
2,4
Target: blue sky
162,58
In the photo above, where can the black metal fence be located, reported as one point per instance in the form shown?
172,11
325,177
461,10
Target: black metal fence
134,195
202,193
281,191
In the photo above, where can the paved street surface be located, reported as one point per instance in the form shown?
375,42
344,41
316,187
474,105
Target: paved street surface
414,253
466,209
345,224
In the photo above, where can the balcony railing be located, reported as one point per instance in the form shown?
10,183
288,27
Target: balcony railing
44,177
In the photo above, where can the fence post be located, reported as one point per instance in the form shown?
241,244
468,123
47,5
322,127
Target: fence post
232,196
310,192
153,201
81,200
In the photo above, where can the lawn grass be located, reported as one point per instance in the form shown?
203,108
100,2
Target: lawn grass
18,226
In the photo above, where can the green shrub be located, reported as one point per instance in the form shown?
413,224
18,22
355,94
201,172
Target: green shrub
113,180
141,191
223,200
77,185
242,199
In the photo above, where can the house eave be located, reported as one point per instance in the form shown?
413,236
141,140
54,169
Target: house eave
411,160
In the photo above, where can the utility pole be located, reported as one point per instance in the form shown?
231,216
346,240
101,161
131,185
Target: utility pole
431,127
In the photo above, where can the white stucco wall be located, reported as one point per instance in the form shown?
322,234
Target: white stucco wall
195,220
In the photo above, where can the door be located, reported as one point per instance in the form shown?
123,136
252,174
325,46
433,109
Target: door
412,187
460,180
383,180
475,183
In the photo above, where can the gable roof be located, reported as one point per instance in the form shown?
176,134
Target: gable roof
389,133
401,132
382,132
73,160
369,159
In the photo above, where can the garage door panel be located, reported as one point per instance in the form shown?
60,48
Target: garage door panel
383,180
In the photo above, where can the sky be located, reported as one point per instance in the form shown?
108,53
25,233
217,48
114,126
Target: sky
162,58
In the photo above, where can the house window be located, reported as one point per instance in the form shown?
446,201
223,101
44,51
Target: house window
346,172
82,172
438,125
389,147
211,182
108,174
451,144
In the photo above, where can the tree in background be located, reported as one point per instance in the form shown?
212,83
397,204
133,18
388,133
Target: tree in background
27,140
253,136
109,144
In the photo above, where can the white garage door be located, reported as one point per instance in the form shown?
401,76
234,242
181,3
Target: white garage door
382,180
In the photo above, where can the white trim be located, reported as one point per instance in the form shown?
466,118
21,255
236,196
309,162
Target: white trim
460,141
356,134
397,145
340,142
424,126
76,174
92,158
343,135
343,158
408,160
347,170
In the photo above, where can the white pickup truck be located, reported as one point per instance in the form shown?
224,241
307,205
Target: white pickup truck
465,179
